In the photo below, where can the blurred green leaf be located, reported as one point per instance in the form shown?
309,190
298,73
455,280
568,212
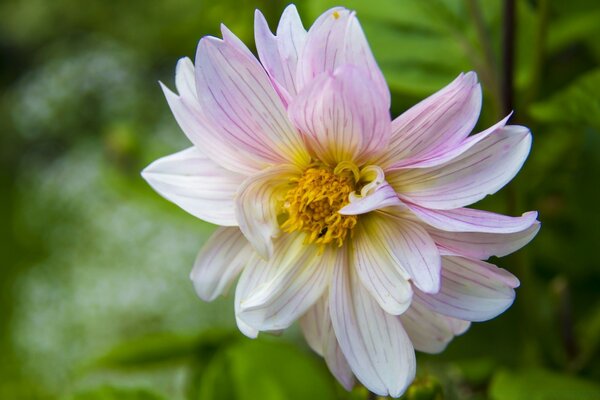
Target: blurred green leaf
110,393
159,348
578,104
572,28
541,385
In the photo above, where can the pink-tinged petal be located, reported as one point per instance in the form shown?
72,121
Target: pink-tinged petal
236,96
279,54
439,122
374,195
483,245
341,116
335,39
196,184
219,262
254,274
473,220
374,342
302,276
201,132
471,290
257,205
429,331
458,326
409,245
483,169
185,81
378,269
318,331
443,155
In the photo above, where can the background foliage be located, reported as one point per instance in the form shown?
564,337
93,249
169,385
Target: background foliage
94,293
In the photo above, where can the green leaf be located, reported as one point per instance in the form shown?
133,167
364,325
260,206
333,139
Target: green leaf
111,393
573,28
157,348
266,370
541,385
578,104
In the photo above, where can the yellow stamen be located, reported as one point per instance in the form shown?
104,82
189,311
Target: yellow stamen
313,203
336,14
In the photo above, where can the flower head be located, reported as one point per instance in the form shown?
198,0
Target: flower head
331,212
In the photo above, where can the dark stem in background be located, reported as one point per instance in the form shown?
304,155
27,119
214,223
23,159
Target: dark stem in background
508,56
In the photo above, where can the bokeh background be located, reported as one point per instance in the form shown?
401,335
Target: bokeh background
95,301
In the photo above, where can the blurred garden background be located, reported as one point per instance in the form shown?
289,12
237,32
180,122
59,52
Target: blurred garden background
95,300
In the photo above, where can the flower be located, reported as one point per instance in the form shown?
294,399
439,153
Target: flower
332,213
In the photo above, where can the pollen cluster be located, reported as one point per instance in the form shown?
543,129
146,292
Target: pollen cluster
313,203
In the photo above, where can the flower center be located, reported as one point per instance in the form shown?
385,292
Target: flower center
312,205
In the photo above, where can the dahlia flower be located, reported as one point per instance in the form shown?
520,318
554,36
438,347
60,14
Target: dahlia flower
331,212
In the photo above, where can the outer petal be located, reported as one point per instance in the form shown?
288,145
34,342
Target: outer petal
219,262
483,245
194,123
409,245
302,276
429,331
439,122
335,39
253,275
256,206
483,169
342,116
317,328
472,220
196,184
373,341
238,98
279,54
471,290
378,269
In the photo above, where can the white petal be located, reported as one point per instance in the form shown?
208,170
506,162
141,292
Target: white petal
439,122
378,269
342,116
429,331
335,359
253,275
373,341
483,169
236,95
472,220
374,195
413,250
483,245
196,184
219,262
257,206
335,39
279,54
471,290
302,276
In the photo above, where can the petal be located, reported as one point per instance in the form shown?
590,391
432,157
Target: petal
341,116
253,275
318,331
374,195
257,206
483,169
471,290
378,269
279,54
197,128
439,122
302,276
236,95
411,247
335,39
472,220
196,184
483,245
429,331
219,262
373,341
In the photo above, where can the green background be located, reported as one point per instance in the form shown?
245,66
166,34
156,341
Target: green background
95,300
